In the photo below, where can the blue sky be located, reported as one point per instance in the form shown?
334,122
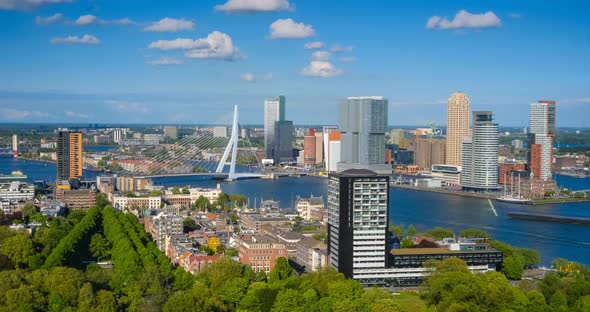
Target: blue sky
119,61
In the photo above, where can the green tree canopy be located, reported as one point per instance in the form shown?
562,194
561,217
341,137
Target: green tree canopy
440,233
474,233
512,267
411,231
18,248
99,246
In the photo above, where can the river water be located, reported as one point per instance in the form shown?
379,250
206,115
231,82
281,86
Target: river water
423,209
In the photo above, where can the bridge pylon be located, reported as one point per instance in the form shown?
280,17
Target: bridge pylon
232,146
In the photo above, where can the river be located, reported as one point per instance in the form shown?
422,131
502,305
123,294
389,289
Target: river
424,210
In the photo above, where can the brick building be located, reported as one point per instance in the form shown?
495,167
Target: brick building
260,252
506,172
76,199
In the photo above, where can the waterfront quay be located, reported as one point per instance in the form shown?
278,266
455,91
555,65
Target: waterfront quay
424,209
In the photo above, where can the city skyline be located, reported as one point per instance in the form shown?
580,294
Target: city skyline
112,62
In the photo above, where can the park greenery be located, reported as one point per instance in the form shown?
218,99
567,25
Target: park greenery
103,260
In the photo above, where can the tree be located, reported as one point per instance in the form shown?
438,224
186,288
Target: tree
512,267
397,230
99,246
213,243
407,243
156,193
582,304
105,301
176,191
320,236
222,200
558,302
530,257
281,271
411,231
18,249
202,203
440,233
288,300
549,193
185,191
238,200
474,233
231,252
188,225
102,200
28,210
536,301
86,299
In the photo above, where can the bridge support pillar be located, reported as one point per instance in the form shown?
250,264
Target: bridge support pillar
233,147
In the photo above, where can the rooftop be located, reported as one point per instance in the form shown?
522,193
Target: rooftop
358,172
371,97
431,251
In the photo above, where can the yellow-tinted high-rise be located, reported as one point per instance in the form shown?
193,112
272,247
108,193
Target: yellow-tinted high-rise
457,127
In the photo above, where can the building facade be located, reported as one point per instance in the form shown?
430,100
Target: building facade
457,127
358,221
480,154
171,132
333,151
260,252
541,137
76,199
274,110
429,152
283,152
447,174
69,154
309,148
507,170
363,123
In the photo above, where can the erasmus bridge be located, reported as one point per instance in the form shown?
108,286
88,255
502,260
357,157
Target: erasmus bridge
196,155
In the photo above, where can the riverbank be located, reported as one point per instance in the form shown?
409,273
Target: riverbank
551,201
447,192
538,201
38,160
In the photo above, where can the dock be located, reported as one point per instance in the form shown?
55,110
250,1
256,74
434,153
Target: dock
549,218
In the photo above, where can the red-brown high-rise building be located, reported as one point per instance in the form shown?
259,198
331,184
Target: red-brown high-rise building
542,133
309,148
506,172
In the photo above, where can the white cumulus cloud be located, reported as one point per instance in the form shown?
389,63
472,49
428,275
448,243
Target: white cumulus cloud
253,6
168,24
86,39
166,61
86,20
216,45
49,19
72,114
90,19
27,5
339,49
248,77
464,19
128,107
289,29
321,56
314,45
179,44
321,69
15,114
347,59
